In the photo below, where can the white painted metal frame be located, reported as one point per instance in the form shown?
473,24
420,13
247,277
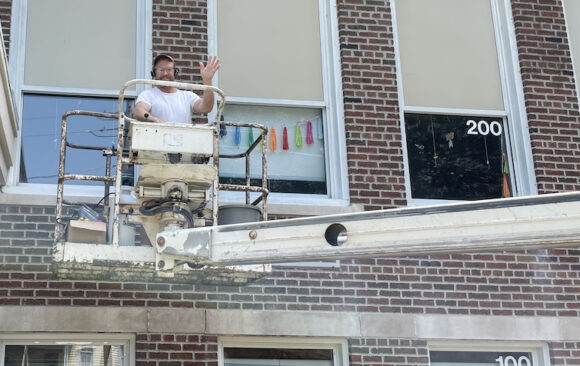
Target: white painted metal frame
502,224
17,58
332,111
518,140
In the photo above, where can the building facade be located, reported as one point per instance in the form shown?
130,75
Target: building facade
376,105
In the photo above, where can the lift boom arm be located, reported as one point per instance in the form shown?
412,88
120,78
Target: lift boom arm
504,224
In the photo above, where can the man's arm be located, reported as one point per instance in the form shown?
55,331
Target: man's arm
205,103
141,113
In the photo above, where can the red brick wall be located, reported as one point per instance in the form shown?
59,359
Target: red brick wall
373,131
153,349
382,351
532,283
179,28
550,93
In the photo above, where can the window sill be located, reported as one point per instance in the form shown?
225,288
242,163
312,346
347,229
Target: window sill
285,205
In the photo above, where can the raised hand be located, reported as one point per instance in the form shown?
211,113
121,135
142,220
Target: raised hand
208,71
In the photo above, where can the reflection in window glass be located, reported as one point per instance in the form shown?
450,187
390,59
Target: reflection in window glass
457,157
277,357
458,358
41,128
296,160
64,355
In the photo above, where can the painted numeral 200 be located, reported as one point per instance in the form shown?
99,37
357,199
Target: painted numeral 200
484,128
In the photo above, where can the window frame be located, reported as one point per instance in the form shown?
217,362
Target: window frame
539,350
127,340
143,59
518,139
339,346
573,40
332,113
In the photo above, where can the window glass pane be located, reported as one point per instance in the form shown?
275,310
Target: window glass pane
81,43
572,8
41,131
63,355
464,358
277,357
296,159
457,157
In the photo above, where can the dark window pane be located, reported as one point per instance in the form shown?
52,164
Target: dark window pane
41,126
459,358
456,157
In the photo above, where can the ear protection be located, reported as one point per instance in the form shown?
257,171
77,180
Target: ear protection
163,57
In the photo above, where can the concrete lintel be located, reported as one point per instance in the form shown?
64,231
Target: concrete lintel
72,319
277,323
476,327
171,320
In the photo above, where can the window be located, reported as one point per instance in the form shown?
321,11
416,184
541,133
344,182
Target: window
64,58
282,352
302,109
481,353
64,350
572,12
465,132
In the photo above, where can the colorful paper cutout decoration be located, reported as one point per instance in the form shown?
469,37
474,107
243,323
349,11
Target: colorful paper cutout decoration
238,135
309,137
285,139
298,136
273,138
250,137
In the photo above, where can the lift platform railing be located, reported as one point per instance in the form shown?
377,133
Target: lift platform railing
121,159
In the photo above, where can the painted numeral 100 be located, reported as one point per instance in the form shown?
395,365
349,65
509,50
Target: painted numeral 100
484,128
511,361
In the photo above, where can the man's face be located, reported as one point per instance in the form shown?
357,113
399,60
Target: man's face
164,70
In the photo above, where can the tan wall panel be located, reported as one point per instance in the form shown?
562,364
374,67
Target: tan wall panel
270,49
448,54
91,45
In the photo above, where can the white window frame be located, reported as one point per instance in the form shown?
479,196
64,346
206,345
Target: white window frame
58,339
539,350
339,346
332,114
572,55
47,192
518,139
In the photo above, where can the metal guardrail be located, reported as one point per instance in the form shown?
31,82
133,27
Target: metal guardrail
123,121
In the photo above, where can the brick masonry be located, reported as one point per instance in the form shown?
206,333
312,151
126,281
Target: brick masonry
550,93
525,283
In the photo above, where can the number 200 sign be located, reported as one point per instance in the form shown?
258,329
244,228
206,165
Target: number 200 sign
484,128
511,361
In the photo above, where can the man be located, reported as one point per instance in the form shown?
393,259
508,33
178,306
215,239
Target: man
168,104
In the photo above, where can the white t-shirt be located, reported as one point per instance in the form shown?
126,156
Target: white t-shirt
171,107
